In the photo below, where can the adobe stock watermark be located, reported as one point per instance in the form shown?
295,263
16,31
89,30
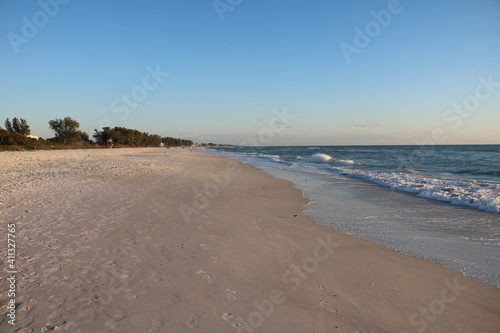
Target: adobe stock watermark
437,306
292,279
223,6
137,94
371,30
30,27
454,117
221,180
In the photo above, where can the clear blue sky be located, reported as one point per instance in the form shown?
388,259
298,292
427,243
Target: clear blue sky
227,76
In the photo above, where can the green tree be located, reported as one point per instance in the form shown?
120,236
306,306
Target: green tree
19,126
66,130
25,128
16,125
8,126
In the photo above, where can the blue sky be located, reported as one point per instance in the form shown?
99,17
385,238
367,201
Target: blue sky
229,67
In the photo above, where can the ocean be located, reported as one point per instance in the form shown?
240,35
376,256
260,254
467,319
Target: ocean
440,203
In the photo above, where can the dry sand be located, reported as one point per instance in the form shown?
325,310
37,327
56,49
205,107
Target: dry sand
102,245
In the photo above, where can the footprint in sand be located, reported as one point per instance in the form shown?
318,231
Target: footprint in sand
115,321
328,307
214,259
111,325
291,255
199,228
28,305
55,301
230,318
203,247
211,237
231,294
320,286
194,321
205,275
296,269
109,263
130,294
47,328
129,242
55,319
68,278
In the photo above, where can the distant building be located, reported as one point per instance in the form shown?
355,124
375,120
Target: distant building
33,137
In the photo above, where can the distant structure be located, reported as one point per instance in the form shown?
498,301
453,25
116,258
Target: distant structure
109,143
32,137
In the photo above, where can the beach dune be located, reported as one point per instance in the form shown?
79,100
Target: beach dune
156,240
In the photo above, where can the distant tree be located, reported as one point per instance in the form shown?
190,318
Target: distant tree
85,137
132,137
19,126
16,125
8,126
4,135
101,137
25,128
66,130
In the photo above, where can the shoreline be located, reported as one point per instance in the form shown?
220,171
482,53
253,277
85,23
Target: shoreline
352,209
108,248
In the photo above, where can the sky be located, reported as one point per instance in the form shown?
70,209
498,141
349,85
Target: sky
273,72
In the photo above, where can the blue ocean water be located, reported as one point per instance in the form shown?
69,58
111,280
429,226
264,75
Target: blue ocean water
441,203
467,175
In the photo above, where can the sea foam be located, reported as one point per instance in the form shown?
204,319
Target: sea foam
320,158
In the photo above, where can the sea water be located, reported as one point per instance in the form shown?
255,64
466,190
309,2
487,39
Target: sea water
440,203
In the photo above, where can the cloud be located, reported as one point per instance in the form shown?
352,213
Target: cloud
371,123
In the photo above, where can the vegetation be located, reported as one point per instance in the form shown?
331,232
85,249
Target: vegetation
67,131
19,126
16,136
134,138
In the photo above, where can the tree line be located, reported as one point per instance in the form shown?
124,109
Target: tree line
17,133
134,138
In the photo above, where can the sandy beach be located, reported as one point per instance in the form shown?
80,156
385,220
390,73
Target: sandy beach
157,240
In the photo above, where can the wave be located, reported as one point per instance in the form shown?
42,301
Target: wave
471,193
324,158
320,158
344,162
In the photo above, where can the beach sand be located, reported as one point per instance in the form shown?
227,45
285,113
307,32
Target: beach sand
157,240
